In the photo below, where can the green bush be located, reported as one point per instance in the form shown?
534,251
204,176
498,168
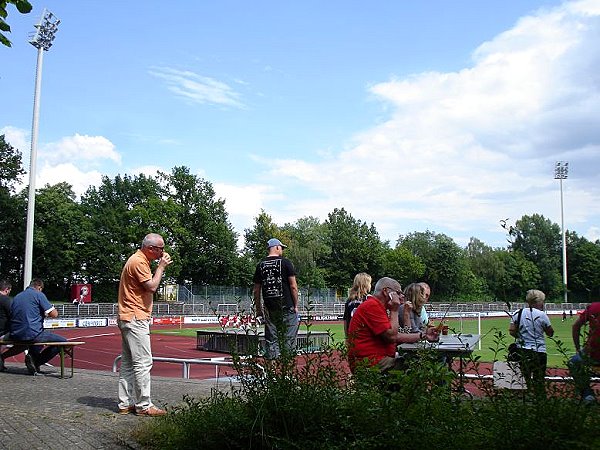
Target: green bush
316,405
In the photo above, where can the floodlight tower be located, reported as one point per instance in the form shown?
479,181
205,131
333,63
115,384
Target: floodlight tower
561,172
42,40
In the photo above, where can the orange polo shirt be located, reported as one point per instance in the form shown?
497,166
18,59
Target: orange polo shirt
134,299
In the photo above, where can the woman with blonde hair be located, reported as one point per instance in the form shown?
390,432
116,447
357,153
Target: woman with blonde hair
410,313
528,326
358,293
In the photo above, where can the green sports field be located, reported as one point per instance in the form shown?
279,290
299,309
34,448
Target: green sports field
489,329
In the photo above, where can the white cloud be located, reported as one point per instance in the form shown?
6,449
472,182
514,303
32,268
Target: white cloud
197,88
593,234
75,159
243,203
78,179
463,150
80,148
18,138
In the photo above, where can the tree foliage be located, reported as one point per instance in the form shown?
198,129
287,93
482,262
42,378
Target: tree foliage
256,238
198,229
308,248
354,247
56,232
444,260
23,6
583,258
403,265
89,240
539,241
11,169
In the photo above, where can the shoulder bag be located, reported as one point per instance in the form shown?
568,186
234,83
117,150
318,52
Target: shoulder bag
513,349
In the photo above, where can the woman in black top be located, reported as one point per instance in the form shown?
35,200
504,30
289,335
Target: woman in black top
358,293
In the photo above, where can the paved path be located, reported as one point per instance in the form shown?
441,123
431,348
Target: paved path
47,412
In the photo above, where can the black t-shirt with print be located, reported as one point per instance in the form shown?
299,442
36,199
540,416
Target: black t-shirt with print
273,273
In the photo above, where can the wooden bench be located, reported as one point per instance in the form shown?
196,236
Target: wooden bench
65,348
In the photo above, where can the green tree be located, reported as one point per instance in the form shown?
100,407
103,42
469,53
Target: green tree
12,223
539,240
519,275
11,169
12,218
401,264
307,249
486,265
198,229
583,259
446,267
56,232
23,6
355,247
256,238
118,214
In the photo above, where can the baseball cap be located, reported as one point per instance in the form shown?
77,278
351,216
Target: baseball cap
274,242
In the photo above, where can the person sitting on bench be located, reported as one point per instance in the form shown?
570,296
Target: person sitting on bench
27,313
5,304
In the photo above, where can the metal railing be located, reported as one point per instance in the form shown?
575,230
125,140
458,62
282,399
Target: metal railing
67,311
186,363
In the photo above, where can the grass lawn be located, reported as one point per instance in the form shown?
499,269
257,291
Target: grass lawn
489,327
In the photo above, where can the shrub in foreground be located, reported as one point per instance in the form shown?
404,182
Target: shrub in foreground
312,405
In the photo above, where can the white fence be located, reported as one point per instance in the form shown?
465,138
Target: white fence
333,308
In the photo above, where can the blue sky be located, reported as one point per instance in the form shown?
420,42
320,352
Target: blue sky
440,115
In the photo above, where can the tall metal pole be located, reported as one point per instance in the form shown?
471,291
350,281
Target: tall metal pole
561,172
42,40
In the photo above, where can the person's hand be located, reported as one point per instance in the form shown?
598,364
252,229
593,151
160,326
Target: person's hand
408,305
165,260
393,303
432,335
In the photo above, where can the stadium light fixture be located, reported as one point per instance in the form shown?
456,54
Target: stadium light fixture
561,172
42,40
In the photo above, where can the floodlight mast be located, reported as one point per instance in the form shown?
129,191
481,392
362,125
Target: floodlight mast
561,172
42,40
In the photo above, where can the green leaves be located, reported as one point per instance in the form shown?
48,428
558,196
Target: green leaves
23,6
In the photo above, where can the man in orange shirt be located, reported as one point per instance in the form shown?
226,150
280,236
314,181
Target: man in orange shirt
136,291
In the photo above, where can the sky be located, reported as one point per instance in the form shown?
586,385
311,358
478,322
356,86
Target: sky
437,115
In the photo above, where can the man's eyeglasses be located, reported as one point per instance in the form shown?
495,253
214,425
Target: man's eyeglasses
157,248
400,294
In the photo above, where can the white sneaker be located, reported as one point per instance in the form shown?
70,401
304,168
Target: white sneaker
589,399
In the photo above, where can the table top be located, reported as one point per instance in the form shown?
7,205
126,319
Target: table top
447,343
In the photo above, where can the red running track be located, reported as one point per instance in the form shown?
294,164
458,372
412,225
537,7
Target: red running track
103,345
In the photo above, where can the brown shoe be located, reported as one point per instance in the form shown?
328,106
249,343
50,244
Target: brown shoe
152,411
129,409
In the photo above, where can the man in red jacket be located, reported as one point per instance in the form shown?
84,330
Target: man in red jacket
589,355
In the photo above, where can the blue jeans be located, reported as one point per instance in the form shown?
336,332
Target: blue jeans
281,329
579,367
43,356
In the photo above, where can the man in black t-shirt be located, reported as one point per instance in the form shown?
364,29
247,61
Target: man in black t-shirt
275,279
